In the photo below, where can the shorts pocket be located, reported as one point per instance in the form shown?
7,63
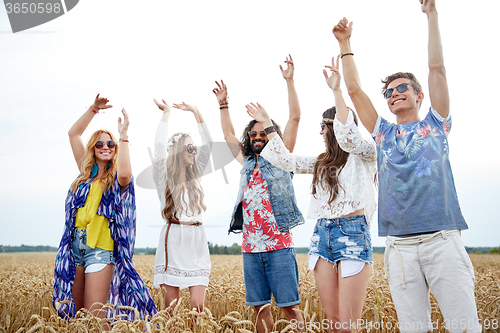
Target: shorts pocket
353,229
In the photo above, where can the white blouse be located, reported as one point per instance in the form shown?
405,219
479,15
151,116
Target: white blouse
160,168
357,178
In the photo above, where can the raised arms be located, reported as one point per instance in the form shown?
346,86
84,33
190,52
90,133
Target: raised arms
292,126
275,151
165,108
161,138
124,168
203,156
225,120
438,85
364,107
76,131
333,82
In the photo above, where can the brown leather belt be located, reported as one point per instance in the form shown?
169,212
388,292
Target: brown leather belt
170,222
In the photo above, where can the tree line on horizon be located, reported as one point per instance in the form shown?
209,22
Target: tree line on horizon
234,249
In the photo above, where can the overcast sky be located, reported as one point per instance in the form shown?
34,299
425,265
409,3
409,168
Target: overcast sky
132,52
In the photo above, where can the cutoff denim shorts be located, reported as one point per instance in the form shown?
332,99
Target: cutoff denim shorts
347,238
274,272
85,255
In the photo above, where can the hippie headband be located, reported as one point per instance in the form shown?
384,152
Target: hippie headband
175,140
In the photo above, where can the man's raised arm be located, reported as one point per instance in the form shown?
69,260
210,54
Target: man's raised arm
438,85
364,107
225,119
292,126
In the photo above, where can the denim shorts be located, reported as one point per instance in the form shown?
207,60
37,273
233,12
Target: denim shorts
85,255
346,238
273,272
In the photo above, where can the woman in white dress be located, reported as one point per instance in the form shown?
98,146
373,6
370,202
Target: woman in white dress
343,202
182,257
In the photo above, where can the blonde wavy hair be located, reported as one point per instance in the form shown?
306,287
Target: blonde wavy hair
108,178
174,193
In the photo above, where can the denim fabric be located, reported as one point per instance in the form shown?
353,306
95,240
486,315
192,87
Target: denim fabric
281,195
85,255
273,272
341,239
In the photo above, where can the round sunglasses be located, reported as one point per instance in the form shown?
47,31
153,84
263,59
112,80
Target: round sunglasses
190,148
400,88
111,144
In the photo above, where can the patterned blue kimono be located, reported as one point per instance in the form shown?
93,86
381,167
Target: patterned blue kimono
127,287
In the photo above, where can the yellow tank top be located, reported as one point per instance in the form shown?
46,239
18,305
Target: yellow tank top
98,233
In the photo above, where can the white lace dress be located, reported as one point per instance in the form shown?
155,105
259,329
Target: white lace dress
358,189
187,246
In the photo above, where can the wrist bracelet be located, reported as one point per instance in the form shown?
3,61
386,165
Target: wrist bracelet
344,54
124,140
223,103
92,108
224,107
270,129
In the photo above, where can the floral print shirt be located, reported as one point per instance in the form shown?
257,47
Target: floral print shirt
260,231
416,188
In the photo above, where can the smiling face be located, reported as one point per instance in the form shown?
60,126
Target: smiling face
188,158
105,154
404,102
259,142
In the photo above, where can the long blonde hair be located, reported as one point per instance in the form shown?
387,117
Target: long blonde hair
174,192
108,178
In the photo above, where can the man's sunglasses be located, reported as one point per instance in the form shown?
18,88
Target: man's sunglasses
190,148
401,88
111,144
253,134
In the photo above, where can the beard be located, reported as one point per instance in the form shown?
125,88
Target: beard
257,150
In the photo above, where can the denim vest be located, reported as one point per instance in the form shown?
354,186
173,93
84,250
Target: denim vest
281,194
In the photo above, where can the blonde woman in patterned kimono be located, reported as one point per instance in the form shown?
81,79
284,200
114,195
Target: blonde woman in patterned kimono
94,261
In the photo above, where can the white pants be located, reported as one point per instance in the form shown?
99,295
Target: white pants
436,262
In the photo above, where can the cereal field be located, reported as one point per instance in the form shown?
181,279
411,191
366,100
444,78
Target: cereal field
26,293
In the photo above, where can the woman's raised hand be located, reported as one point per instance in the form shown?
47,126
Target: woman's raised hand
185,107
164,106
101,103
333,81
123,127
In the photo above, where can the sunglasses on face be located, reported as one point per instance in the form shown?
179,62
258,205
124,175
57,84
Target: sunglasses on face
253,134
322,124
111,144
401,88
190,148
